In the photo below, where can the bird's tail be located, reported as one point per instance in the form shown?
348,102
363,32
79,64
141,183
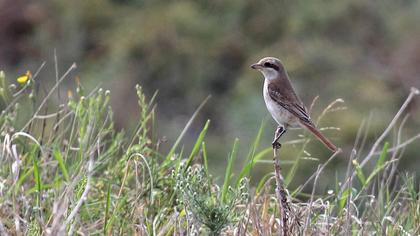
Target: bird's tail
320,136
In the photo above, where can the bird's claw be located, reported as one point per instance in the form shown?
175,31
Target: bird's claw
276,145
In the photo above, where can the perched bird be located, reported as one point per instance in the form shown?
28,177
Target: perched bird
283,103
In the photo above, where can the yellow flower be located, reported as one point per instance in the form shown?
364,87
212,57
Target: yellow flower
24,78
69,94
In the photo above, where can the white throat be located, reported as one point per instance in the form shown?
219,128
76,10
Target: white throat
269,74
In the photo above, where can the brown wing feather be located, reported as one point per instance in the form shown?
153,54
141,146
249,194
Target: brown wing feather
292,103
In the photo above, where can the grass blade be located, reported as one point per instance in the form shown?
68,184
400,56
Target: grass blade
343,199
228,172
107,207
250,162
197,144
359,172
376,171
382,157
37,176
204,151
248,167
184,131
57,155
292,172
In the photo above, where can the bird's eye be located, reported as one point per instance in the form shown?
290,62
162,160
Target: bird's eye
267,64
271,65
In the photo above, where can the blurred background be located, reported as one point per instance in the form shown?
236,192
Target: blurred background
364,52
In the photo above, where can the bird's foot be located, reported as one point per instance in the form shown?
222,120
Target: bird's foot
276,145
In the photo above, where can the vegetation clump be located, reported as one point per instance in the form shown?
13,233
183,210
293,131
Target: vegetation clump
66,169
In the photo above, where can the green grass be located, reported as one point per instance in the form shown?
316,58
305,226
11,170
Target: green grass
68,170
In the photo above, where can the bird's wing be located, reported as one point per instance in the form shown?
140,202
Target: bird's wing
290,102
285,97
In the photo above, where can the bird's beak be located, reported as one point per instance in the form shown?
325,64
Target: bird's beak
256,66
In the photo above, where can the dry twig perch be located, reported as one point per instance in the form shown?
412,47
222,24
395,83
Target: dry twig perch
281,192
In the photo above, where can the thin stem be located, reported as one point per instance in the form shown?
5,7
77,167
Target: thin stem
413,92
281,193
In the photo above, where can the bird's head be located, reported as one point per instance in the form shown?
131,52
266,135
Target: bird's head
270,67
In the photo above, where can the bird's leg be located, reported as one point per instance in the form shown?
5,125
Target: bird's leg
279,132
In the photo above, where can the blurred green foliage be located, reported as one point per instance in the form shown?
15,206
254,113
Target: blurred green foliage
366,52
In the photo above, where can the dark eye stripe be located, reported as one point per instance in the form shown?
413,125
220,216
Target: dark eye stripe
271,65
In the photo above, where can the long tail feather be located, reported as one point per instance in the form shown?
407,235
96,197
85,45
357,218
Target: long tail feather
320,136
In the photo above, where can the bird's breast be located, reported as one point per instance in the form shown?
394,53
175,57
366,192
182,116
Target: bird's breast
280,115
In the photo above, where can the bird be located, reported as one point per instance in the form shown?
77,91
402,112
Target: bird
284,105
